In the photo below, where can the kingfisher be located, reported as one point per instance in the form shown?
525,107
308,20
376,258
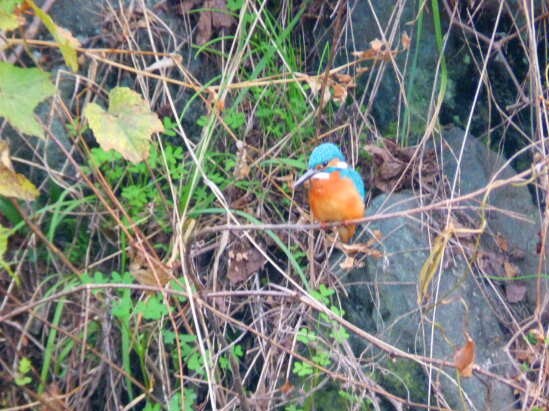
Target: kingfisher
336,191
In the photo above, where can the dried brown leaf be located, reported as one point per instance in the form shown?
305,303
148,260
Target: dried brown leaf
502,242
339,93
343,78
244,261
287,388
148,271
13,184
398,167
215,16
464,359
350,263
515,291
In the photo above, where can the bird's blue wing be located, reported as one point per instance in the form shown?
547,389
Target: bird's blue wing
357,180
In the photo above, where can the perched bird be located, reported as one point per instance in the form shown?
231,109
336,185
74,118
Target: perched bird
336,191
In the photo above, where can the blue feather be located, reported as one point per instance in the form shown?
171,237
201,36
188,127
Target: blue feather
324,153
353,175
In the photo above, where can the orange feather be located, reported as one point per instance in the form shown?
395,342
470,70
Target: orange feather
336,199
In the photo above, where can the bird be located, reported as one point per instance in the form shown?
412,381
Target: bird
336,190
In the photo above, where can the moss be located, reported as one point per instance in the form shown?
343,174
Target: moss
404,378
332,397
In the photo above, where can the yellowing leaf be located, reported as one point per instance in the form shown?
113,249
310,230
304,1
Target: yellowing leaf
63,37
126,127
4,236
21,89
464,359
13,184
431,264
9,20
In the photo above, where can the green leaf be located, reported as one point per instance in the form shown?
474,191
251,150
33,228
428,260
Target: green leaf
22,381
21,89
64,38
302,369
127,126
24,365
4,236
152,308
8,19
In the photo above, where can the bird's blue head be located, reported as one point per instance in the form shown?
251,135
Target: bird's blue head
320,158
323,154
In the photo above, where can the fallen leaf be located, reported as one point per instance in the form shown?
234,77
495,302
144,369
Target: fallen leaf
126,127
343,78
432,263
515,291
148,271
314,84
286,388
339,93
378,50
21,89
397,168
350,263
13,184
502,242
464,359
244,261
511,270
214,16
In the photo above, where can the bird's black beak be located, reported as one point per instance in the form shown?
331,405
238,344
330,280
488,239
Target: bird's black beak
308,174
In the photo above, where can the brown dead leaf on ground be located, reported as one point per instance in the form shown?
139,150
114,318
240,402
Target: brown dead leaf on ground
214,16
396,168
148,271
500,265
378,50
367,249
350,263
336,88
244,261
464,359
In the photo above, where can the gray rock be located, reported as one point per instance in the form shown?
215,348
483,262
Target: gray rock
383,296
383,301
369,19
478,167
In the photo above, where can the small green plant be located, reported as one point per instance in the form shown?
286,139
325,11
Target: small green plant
23,370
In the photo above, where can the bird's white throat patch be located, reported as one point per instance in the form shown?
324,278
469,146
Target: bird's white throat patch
324,175
340,164
321,175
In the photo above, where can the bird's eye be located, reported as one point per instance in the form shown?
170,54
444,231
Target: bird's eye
325,164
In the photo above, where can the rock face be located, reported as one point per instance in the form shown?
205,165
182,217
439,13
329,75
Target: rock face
383,297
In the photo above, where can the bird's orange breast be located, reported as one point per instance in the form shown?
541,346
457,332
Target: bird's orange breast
335,199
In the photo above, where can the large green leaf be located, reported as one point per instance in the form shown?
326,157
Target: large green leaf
127,126
21,89
8,19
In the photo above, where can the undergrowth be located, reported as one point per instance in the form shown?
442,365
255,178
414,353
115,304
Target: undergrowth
131,284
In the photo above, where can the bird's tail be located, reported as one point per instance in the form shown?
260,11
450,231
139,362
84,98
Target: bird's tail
346,232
